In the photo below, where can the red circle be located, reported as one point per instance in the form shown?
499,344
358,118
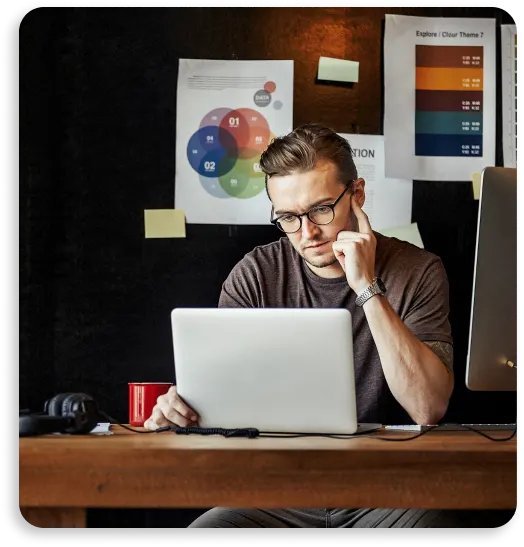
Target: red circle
270,87
258,140
259,131
237,126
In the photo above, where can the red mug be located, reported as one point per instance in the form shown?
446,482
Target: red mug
142,399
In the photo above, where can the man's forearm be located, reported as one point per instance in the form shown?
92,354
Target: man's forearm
418,379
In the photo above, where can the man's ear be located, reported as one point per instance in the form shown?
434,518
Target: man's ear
358,191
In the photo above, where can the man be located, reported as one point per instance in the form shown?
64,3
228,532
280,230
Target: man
330,257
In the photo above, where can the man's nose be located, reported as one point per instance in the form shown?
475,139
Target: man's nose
309,229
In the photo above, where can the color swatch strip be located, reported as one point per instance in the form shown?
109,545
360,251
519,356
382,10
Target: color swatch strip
450,79
450,56
449,100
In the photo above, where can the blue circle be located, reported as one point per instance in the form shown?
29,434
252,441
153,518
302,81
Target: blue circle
212,186
216,163
277,105
212,151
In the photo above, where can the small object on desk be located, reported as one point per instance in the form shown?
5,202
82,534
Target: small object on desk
406,427
337,70
142,398
101,428
453,427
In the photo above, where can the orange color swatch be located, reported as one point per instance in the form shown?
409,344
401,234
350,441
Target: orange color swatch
450,79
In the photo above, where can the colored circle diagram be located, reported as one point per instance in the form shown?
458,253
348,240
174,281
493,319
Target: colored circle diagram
225,151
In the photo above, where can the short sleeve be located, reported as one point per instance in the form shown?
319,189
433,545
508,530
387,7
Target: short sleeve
427,314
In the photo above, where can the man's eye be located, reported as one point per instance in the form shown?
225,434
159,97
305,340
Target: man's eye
321,210
287,218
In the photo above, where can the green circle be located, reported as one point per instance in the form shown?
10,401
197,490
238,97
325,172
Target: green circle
245,180
254,187
234,182
249,167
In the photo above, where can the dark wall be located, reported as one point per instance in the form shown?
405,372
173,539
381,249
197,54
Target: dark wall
97,147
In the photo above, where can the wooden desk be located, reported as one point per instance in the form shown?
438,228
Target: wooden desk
61,476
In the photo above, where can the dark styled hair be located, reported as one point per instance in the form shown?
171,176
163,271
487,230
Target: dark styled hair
300,150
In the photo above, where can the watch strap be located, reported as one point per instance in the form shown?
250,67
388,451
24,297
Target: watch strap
368,292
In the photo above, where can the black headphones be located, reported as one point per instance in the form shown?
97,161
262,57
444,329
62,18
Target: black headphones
75,413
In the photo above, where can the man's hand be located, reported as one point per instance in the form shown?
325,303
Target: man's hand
356,252
169,410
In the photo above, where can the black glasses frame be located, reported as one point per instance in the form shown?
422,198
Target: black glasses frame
330,205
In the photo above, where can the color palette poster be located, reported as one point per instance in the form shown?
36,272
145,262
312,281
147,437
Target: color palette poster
439,121
508,54
227,114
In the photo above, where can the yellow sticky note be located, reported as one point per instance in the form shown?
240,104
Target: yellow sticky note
338,70
475,181
164,223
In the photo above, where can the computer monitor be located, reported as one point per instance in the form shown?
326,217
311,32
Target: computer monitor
492,353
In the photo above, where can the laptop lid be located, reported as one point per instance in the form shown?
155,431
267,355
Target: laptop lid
282,370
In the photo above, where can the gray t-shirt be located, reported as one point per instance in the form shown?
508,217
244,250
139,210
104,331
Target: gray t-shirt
276,276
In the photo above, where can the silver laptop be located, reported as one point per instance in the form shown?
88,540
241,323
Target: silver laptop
280,370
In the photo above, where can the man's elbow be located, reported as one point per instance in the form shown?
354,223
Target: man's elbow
436,407
429,417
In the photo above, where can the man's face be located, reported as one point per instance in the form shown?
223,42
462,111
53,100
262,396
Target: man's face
298,193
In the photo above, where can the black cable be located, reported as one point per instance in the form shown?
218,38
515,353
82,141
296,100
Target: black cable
253,433
249,432
342,436
115,422
480,432
273,434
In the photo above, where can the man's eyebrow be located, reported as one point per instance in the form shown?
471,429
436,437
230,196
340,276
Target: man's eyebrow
314,204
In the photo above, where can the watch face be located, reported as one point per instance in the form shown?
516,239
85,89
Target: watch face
380,284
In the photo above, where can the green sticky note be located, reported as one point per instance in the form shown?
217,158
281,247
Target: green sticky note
338,70
162,223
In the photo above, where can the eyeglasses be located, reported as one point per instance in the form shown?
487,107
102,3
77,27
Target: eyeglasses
320,214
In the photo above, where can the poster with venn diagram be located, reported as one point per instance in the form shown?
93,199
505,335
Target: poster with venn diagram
227,114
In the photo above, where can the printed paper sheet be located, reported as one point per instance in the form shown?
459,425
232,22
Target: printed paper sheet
388,201
227,113
439,120
508,34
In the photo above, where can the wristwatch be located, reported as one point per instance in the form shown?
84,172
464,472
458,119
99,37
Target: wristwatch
377,287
